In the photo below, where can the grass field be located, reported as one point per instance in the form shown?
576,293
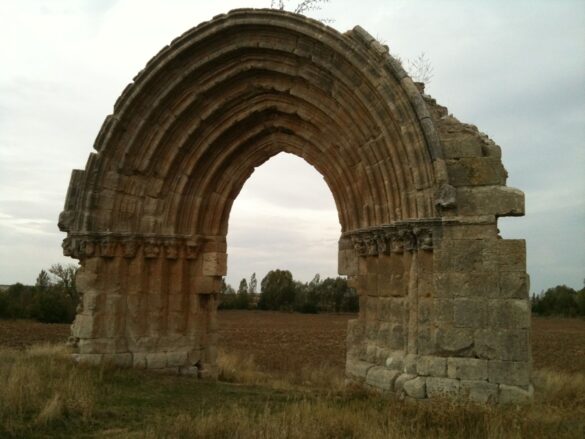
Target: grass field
282,377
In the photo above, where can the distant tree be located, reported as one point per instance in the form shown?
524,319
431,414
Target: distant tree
65,279
43,280
243,288
3,305
278,291
242,299
227,296
560,300
253,285
20,299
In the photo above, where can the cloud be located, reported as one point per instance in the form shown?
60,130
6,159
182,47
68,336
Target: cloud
514,69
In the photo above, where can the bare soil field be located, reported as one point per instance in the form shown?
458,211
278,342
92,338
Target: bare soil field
281,342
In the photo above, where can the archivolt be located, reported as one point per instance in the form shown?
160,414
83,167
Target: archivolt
231,93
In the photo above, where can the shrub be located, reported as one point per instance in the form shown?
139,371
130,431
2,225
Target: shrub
52,306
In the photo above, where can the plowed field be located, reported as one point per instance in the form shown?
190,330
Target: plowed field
282,341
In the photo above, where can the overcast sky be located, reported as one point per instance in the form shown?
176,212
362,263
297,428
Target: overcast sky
516,69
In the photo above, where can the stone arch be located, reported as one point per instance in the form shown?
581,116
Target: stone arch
443,299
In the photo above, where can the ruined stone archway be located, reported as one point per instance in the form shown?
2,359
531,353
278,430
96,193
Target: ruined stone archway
443,299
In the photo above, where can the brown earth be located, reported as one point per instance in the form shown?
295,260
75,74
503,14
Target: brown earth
284,342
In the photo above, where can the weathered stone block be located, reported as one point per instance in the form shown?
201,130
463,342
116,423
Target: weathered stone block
401,380
381,378
119,360
511,313
85,280
470,231
357,368
473,284
476,171
176,359
470,313
139,360
514,285
372,311
355,331
507,345
395,361
443,311
410,362
460,144
83,326
514,373
459,255
515,395
425,341
205,284
396,337
372,284
371,352
397,309
454,340
93,301
416,388
480,392
156,360
429,365
512,255
442,387
467,368
348,262
214,264
102,345
490,200
89,359
424,311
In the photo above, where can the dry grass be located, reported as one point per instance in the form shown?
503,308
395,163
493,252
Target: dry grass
41,385
285,375
43,389
241,368
558,413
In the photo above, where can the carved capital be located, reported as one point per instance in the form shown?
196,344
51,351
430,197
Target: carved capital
88,248
371,244
151,249
171,250
395,238
359,245
70,247
130,248
193,248
424,238
108,248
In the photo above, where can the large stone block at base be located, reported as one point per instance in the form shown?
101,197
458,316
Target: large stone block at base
515,395
480,392
357,369
381,378
513,373
442,387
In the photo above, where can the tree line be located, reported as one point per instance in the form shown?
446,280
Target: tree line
53,298
281,292
561,301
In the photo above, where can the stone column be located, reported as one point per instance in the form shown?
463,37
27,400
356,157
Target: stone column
148,301
444,310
